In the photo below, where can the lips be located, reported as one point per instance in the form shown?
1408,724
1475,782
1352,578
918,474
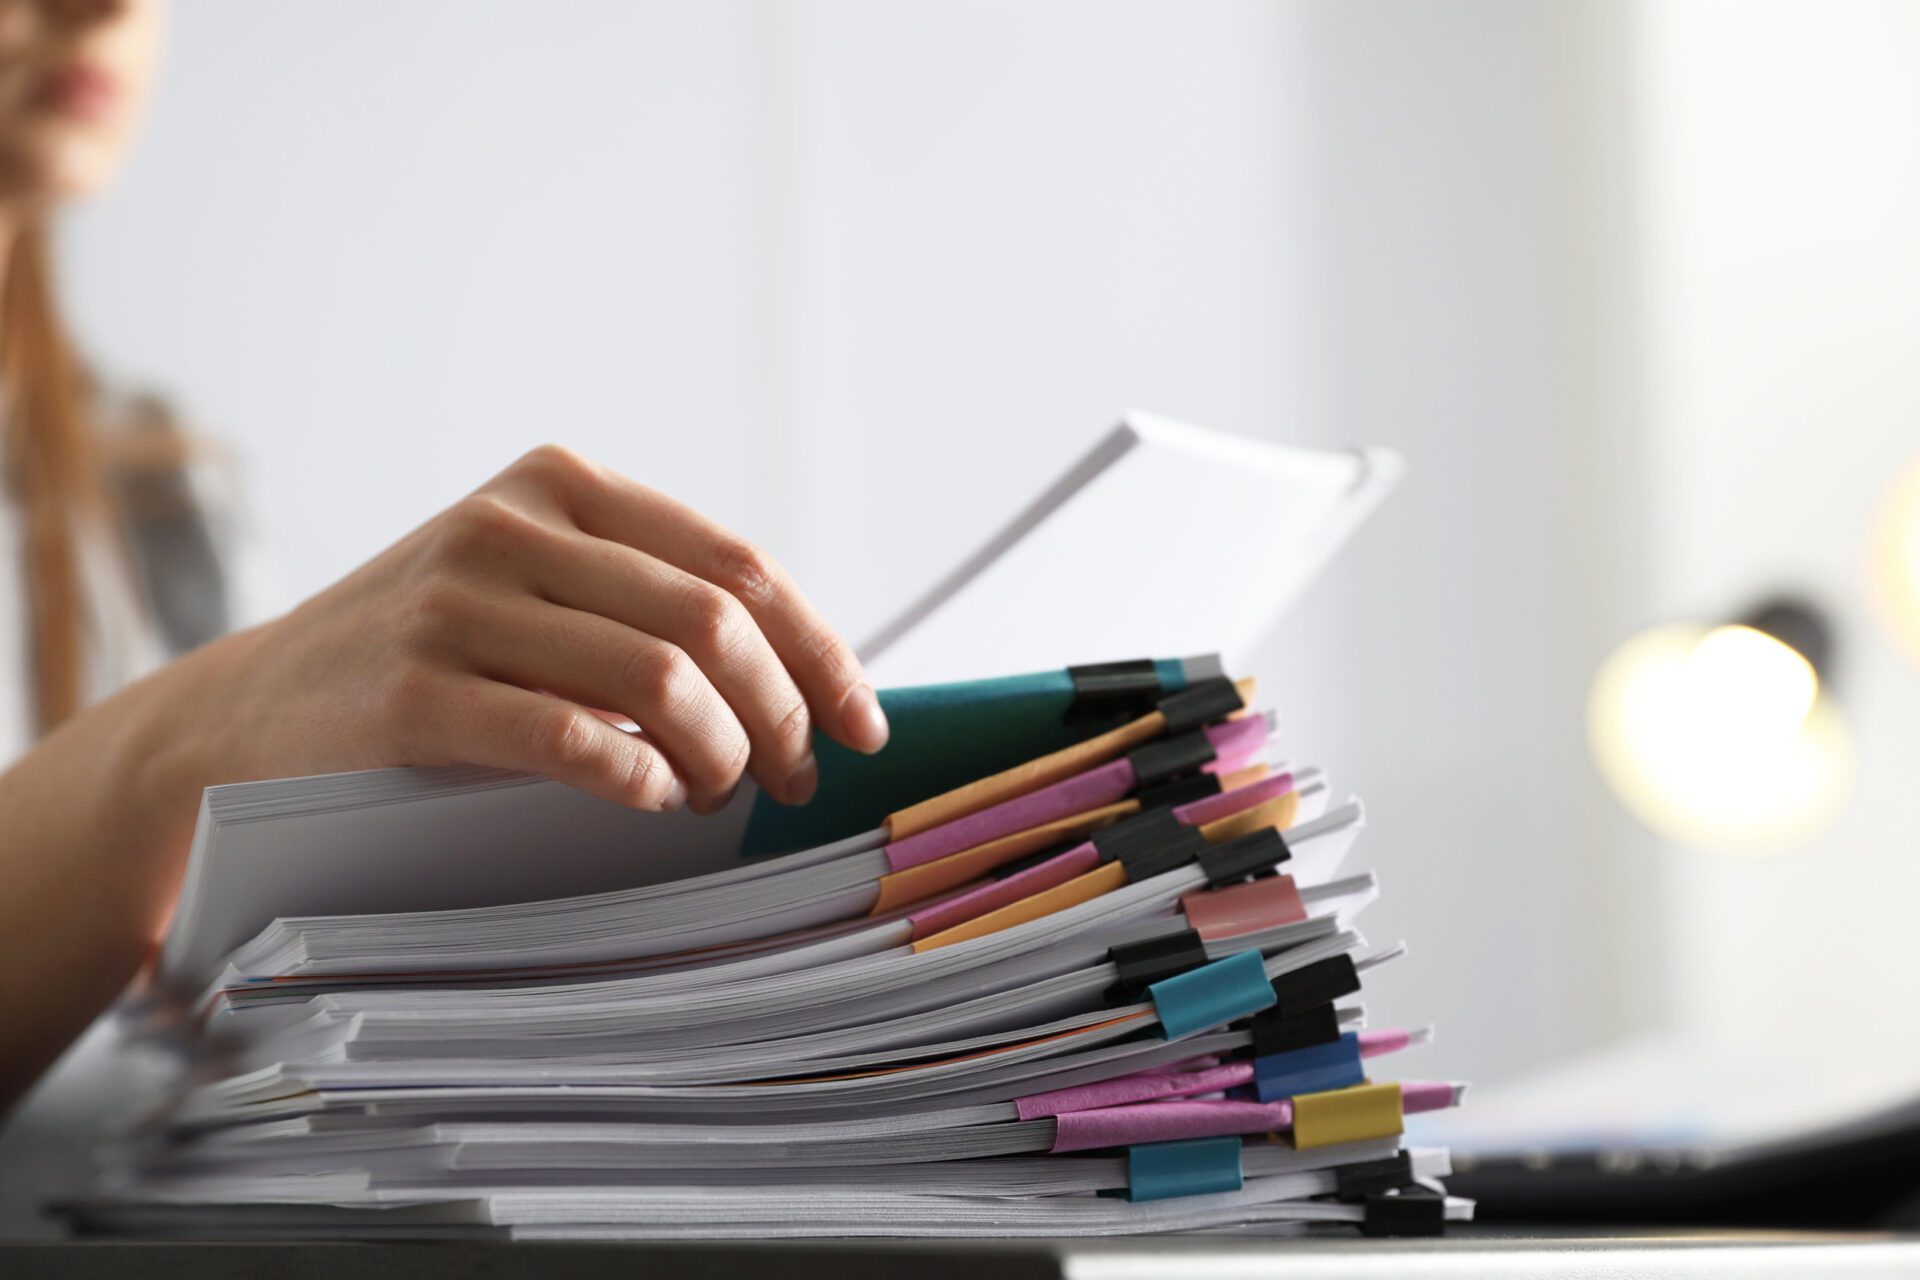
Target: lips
81,91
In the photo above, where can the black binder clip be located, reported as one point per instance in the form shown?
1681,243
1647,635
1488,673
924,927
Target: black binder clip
1147,844
1411,1211
1136,831
1169,757
1255,854
1200,703
1371,1177
1276,1032
1141,964
1179,791
1321,982
1104,691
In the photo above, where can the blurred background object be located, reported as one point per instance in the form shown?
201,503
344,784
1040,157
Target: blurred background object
1729,736
1633,286
1896,555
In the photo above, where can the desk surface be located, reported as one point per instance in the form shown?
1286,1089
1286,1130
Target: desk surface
1646,1255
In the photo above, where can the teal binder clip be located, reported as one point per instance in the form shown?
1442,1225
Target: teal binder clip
1193,1167
1315,1069
1212,995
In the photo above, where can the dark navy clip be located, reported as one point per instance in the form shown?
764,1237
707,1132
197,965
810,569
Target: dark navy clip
1313,1070
1321,982
1141,964
1255,854
1169,757
1202,702
1411,1211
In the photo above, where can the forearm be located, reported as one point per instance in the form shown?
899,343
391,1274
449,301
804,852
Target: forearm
483,637
95,824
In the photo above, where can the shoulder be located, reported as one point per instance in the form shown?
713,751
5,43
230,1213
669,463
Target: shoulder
142,436
174,498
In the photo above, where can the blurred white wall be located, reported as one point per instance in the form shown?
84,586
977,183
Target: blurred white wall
385,249
1782,146
858,277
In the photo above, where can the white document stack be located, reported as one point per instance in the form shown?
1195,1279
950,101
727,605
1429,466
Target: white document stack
1078,954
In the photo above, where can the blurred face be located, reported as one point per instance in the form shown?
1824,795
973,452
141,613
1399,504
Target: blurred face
73,74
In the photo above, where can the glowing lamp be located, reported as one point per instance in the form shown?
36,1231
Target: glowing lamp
1724,737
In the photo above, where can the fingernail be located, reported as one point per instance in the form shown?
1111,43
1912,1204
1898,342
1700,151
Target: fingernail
862,720
676,796
718,802
801,782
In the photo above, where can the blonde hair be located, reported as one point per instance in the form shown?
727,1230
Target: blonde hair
52,467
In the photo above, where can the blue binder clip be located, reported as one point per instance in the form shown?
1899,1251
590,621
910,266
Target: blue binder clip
1212,995
1311,1070
1193,1167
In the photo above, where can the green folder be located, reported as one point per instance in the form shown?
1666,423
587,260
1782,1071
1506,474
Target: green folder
943,736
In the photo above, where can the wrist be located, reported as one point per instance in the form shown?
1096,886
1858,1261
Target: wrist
183,725
119,785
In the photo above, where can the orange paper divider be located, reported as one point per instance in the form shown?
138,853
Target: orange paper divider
1243,777
899,888
1277,812
1059,898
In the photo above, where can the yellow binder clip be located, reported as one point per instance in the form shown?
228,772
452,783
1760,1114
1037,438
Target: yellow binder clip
1353,1114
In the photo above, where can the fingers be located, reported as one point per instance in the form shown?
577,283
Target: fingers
595,661
820,663
480,721
654,599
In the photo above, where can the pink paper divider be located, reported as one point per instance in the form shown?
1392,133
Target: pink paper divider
1076,861
1198,813
1167,1122
1089,790
1425,1095
1110,782
1142,1086
999,893
1164,1082
1383,1040
1243,908
1182,1067
1235,742
1172,1120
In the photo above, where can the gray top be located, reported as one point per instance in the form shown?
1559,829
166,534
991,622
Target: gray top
159,580
171,574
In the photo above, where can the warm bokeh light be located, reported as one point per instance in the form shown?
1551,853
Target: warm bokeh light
1896,555
1718,737
1745,681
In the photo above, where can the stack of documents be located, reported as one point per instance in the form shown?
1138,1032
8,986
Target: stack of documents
1078,954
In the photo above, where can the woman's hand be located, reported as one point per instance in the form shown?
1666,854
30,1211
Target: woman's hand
483,637
487,634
